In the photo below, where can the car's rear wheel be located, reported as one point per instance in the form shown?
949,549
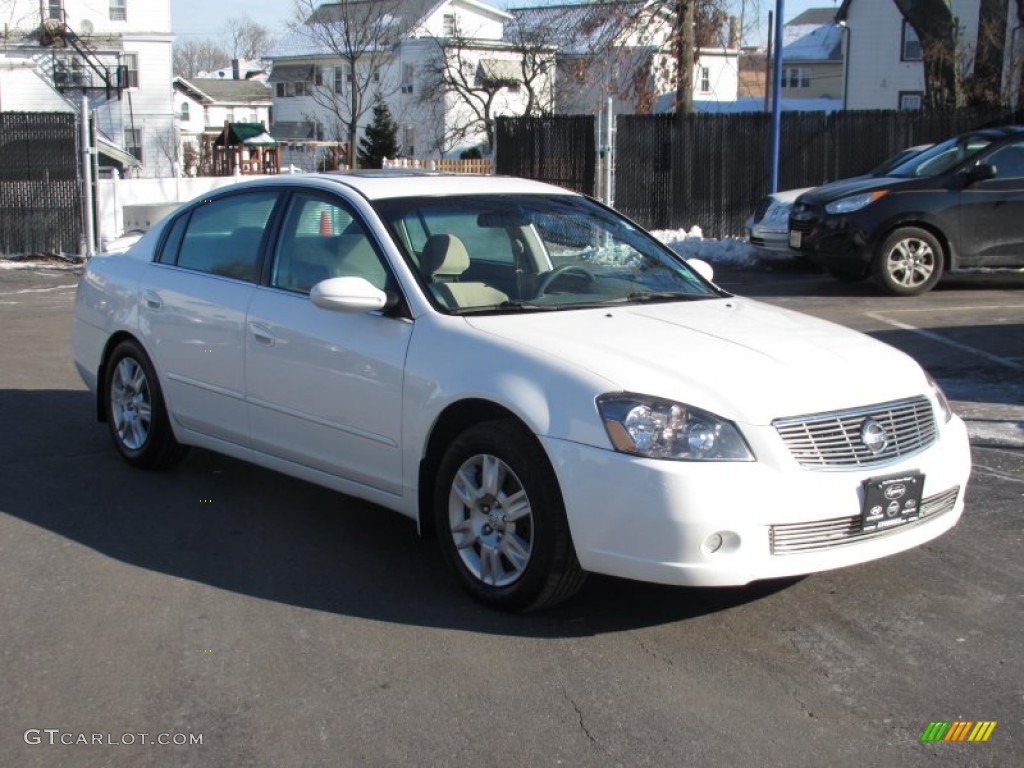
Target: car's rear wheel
135,410
909,262
501,520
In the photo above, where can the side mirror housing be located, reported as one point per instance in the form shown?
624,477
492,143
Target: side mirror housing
981,172
348,294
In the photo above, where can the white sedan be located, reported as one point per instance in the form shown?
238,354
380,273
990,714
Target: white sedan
521,370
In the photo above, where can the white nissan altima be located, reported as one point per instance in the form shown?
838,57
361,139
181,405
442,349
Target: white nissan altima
521,370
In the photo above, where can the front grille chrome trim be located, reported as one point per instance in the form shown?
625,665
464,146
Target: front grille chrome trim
821,535
833,440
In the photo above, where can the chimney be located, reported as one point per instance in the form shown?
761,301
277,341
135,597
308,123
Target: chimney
235,73
734,32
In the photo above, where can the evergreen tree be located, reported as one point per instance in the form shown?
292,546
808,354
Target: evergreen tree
381,139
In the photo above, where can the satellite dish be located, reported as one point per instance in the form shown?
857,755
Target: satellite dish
87,27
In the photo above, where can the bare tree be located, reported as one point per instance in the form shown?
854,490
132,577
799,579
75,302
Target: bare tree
190,57
167,140
359,34
245,39
935,25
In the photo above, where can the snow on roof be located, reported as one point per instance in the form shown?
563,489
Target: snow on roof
808,42
581,28
231,91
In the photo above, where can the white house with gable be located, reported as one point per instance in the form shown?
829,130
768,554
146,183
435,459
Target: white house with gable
307,73
116,52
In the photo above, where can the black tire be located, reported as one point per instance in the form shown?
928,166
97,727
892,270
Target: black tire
514,556
135,411
847,275
909,262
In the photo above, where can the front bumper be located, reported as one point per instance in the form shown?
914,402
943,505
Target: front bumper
651,520
831,242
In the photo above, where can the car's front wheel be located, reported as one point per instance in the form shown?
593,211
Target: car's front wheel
909,262
135,410
501,520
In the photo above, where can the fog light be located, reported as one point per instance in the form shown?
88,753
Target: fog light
712,543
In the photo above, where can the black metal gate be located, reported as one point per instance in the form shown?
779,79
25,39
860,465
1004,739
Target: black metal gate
40,191
558,150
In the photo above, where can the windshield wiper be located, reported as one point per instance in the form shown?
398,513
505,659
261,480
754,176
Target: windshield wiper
511,305
666,296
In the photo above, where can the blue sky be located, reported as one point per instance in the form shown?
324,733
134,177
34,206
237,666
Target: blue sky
193,19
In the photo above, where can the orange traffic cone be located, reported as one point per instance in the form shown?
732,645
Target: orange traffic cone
325,224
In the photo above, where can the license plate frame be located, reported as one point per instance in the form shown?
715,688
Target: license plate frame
795,238
891,501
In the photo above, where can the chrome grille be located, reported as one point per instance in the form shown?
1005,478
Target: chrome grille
794,538
833,440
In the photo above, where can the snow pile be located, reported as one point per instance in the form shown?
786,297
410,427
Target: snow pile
40,262
692,244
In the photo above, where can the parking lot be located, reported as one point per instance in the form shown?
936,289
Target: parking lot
283,624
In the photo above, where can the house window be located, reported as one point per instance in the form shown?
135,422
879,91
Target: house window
281,90
911,99
130,70
910,45
119,10
55,9
409,141
184,111
705,79
448,25
796,77
339,79
133,142
301,88
408,74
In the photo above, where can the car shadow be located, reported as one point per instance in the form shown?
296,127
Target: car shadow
238,527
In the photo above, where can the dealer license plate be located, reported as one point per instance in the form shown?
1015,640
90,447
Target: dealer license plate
795,237
891,501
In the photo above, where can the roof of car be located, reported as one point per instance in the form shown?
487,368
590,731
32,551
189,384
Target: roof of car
408,182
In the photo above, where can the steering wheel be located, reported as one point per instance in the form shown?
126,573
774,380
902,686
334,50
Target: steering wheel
558,273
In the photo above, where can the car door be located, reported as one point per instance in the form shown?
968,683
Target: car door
324,388
992,210
193,306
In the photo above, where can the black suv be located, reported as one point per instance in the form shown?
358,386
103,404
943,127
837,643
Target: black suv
956,205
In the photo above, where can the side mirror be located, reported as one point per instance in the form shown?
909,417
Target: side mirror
702,268
981,172
348,294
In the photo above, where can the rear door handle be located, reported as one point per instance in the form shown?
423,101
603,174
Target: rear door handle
261,333
152,299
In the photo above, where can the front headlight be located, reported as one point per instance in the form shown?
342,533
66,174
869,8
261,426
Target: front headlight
940,397
661,429
854,202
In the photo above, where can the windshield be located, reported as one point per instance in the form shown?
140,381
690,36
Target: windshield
941,158
505,253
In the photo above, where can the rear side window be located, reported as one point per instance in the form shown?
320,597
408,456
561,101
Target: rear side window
169,251
223,237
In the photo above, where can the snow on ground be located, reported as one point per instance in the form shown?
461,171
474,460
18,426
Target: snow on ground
36,261
691,243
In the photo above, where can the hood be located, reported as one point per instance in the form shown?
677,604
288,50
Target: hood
745,361
844,187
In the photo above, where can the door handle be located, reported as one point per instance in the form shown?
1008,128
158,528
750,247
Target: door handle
152,299
261,333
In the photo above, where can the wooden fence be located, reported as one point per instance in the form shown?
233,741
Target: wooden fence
480,166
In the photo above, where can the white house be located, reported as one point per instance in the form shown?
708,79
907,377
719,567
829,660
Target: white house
883,54
623,50
312,82
203,105
117,52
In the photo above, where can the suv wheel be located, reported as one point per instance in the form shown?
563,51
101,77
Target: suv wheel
909,262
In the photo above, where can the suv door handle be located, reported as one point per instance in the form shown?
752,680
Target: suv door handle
152,299
261,333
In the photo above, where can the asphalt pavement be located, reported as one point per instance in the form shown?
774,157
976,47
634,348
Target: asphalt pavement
280,624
